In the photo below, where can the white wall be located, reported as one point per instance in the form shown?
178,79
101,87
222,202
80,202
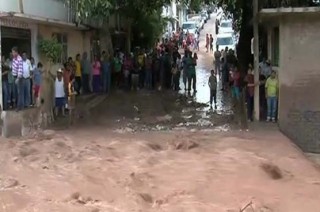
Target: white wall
53,9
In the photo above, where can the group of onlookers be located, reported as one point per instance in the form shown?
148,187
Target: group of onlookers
225,63
21,79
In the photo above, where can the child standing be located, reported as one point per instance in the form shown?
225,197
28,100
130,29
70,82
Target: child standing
213,88
37,78
175,76
71,99
60,96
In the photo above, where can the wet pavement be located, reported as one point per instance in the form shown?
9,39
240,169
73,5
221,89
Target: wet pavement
166,110
204,66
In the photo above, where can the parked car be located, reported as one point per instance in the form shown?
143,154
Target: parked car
225,40
190,26
205,16
198,20
226,26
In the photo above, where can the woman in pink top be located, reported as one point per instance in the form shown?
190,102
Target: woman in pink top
96,75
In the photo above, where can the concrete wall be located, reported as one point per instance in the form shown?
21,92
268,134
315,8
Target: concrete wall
299,76
53,9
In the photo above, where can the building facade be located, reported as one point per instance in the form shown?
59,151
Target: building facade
23,24
293,46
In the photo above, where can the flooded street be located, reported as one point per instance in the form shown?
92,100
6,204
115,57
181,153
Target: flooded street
151,151
167,110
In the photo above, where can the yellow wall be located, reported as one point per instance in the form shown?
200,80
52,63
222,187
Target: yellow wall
78,41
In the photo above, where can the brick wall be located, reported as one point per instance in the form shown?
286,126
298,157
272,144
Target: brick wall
299,76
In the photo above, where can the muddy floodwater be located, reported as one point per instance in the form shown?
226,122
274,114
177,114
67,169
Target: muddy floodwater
106,171
151,151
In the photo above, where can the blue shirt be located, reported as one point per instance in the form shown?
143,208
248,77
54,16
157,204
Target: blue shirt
37,76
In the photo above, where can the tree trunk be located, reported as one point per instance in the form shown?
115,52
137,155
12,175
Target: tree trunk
244,57
246,34
106,36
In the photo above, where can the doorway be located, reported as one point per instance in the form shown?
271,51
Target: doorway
11,37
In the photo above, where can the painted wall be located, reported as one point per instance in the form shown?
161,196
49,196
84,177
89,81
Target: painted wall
78,41
53,9
299,76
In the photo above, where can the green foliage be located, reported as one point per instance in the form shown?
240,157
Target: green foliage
147,28
195,5
51,48
104,8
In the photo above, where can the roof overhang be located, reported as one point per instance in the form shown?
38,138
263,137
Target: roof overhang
284,11
38,19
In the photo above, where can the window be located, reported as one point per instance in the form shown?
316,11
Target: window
275,46
188,26
226,41
63,40
226,24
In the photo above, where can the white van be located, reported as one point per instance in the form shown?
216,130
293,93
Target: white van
189,26
226,40
226,26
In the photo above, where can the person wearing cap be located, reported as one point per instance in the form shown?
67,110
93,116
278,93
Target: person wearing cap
265,68
60,95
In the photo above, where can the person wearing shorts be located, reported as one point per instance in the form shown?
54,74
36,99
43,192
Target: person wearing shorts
60,96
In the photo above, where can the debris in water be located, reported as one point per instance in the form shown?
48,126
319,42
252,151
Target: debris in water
272,170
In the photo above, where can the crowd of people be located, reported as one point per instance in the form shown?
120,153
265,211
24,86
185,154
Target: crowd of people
21,79
225,63
160,68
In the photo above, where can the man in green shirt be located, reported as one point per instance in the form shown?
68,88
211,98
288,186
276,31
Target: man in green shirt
272,88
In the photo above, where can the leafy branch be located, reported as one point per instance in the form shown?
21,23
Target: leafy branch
51,48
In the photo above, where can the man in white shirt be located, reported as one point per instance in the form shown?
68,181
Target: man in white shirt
26,79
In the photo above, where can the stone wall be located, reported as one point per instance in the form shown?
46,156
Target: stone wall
299,76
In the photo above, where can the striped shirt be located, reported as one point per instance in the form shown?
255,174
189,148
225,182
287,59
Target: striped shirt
17,67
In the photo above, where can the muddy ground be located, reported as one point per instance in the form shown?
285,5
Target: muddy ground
156,171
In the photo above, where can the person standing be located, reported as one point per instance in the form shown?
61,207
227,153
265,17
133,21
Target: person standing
37,80
106,72
213,88
217,62
32,68
148,70
17,72
191,63
60,94
11,83
117,67
207,42
26,80
272,88
85,71
211,43
96,74
78,74
249,79
5,87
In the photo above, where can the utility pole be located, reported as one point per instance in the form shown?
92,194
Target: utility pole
256,58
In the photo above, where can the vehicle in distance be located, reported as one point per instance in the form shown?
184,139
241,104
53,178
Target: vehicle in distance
225,40
226,26
189,26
